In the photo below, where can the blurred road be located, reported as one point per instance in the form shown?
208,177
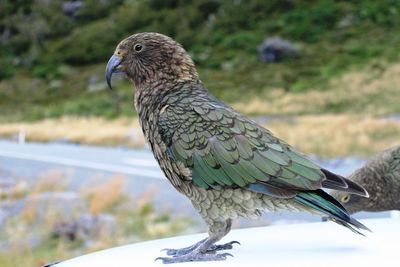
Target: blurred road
84,164
117,160
140,163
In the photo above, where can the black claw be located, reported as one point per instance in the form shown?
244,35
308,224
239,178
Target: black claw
51,264
159,258
226,254
226,246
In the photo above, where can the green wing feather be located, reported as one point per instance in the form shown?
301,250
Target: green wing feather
224,149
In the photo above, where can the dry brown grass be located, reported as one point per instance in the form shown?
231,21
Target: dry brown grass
373,90
323,135
19,190
338,135
51,181
85,130
29,213
104,196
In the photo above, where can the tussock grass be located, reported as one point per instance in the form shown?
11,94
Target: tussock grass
85,130
52,180
102,197
338,135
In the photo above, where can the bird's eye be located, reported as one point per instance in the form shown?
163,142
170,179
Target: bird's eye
138,47
345,199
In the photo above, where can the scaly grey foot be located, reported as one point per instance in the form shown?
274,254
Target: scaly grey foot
182,251
212,249
194,256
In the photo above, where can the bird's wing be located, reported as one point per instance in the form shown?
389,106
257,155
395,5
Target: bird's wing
224,149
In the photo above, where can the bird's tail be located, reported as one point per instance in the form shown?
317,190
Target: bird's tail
321,201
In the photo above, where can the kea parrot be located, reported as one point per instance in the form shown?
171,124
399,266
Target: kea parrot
225,163
381,177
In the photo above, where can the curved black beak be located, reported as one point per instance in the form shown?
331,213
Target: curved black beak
111,68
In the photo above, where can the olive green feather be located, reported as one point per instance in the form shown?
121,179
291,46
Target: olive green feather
240,154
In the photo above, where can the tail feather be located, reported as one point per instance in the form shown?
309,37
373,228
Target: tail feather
326,204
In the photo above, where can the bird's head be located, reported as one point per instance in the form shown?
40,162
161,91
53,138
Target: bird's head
146,58
353,203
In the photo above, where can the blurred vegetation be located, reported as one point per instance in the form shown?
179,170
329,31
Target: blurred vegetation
50,221
52,58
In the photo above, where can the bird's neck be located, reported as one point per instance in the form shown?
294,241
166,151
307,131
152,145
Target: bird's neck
150,99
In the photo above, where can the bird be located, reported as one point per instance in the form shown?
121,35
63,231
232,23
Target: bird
380,176
225,163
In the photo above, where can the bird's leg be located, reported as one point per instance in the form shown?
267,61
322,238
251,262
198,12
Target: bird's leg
205,250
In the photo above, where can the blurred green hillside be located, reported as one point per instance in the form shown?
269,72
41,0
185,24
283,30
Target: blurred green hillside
52,56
